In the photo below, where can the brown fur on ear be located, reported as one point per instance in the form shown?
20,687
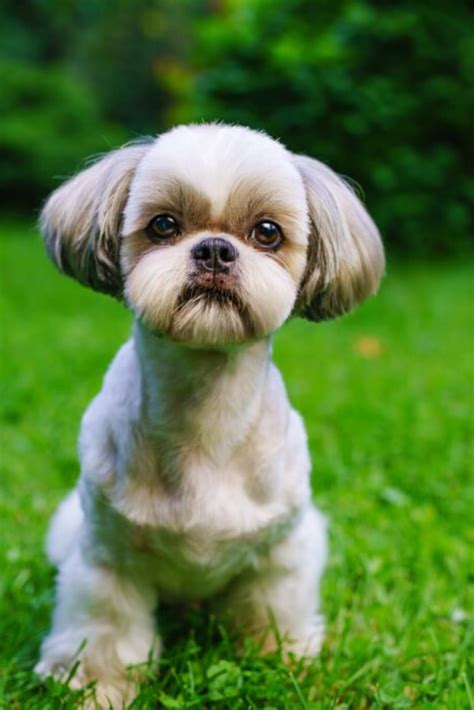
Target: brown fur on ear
345,252
81,220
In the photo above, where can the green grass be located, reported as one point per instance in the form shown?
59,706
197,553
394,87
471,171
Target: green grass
385,394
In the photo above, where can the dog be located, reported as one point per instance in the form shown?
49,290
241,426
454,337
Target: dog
194,467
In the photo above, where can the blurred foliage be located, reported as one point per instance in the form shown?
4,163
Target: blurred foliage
54,123
381,91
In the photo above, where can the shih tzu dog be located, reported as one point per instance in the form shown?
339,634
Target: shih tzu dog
194,467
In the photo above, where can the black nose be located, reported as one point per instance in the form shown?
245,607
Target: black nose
214,254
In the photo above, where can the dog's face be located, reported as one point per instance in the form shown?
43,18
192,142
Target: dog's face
215,234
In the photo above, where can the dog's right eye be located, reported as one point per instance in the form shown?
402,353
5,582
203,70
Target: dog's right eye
163,226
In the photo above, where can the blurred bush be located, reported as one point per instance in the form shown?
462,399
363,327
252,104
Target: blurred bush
381,91
53,126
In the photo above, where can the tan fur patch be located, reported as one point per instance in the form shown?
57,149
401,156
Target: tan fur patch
345,253
81,220
170,195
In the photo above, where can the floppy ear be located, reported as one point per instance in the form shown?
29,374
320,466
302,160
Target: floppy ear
345,253
81,220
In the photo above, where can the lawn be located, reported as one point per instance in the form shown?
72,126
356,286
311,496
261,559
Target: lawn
385,393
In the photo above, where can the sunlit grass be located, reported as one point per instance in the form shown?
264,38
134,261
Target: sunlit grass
385,393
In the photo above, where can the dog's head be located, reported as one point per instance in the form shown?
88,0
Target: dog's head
215,234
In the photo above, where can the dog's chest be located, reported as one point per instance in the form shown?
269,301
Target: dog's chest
194,539
197,564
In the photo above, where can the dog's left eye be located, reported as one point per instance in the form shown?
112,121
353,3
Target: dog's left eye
267,234
163,226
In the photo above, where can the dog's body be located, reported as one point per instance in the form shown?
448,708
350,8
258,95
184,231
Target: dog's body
195,469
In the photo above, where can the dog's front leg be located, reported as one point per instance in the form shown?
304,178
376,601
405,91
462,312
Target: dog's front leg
278,603
103,623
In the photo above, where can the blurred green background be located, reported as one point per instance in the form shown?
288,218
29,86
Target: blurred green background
381,91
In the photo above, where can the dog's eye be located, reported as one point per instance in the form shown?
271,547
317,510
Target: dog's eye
163,226
267,234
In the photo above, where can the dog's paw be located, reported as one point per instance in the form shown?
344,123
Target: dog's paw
307,642
303,643
51,667
307,645
106,695
116,693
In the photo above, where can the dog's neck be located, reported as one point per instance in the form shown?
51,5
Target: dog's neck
201,398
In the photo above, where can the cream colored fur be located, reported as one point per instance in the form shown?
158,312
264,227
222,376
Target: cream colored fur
194,467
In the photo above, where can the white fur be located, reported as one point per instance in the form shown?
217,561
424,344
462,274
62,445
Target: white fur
214,159
194,467
67,519
154,283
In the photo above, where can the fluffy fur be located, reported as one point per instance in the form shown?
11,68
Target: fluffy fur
194,467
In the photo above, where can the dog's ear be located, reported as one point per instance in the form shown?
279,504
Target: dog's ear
345,253
81,220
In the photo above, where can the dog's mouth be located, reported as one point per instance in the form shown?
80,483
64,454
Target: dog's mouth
220,288
211,310
211,293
